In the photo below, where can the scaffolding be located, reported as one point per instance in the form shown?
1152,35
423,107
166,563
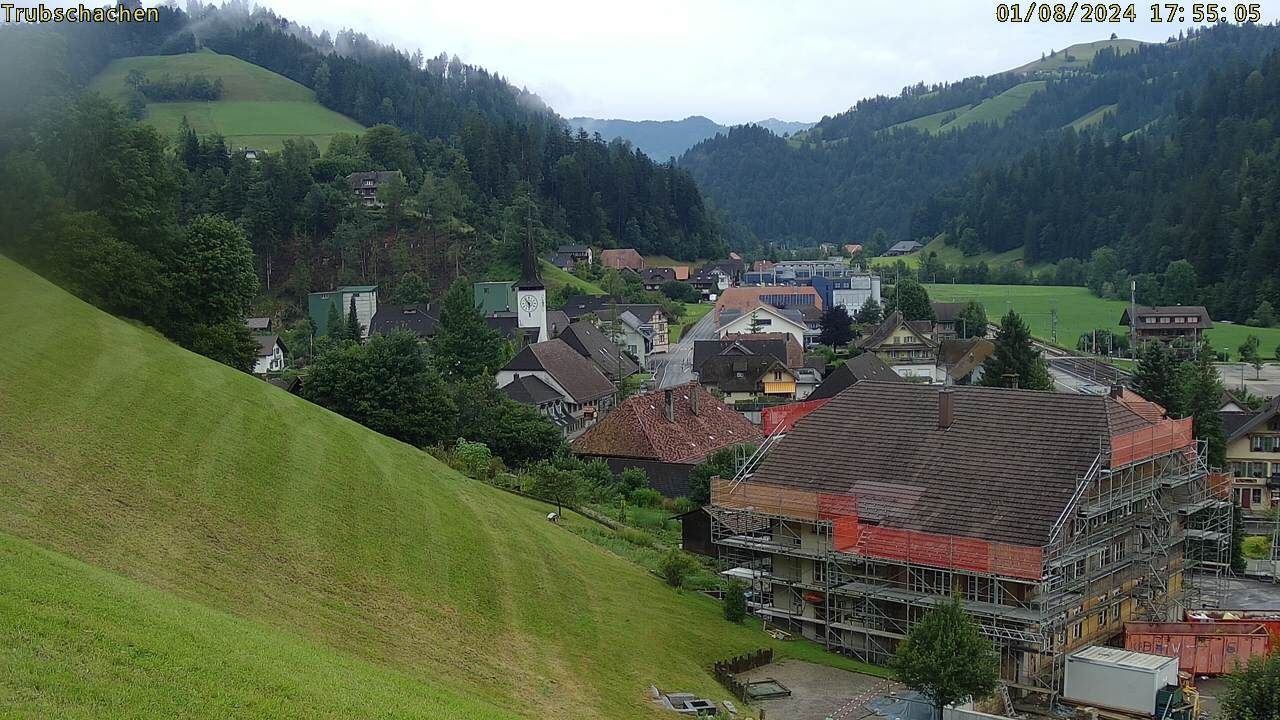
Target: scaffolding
1144,526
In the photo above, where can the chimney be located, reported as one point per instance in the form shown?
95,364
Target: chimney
693,398
946,408
671,404
1117,391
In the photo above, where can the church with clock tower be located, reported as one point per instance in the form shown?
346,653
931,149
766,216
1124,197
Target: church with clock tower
531,297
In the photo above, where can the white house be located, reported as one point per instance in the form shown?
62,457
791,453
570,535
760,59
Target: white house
762,319
629,335
270,355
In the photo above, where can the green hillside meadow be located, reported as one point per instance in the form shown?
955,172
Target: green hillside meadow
1079,311
181,539
259,109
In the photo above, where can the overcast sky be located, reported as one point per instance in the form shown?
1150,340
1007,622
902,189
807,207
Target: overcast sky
731,60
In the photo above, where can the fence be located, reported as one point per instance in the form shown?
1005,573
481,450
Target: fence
726,671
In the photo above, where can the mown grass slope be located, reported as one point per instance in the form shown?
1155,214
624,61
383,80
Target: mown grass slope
259,109
245,540
1080,54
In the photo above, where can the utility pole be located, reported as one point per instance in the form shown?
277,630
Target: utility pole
1133,320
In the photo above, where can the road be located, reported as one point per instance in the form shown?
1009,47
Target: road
676,366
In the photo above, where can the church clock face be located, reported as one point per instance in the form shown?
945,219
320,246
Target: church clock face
529,303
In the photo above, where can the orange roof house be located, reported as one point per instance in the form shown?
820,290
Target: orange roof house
746,299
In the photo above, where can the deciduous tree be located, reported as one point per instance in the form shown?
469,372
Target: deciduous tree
1253,692
946,657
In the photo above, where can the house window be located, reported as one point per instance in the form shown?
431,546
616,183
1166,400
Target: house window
1264,443
1077,631
819,572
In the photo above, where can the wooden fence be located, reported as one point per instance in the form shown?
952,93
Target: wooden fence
726,671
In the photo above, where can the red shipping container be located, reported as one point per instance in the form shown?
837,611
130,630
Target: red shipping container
1270,619
1202,648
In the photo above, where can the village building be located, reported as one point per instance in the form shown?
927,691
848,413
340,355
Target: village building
586,393
905,345
1052,517
418,319
905,247
364,297
710,281
1253,456
744,299
270,355
365,185
576,253
946,320
622,259
767,319
1168,322
653,322
655,277
749,379
863,368
592,344
258,324
960,361
550,403
780,346
666,433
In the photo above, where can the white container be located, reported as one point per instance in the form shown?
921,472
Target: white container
1118,679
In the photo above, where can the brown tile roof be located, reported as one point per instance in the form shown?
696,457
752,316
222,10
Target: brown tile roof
792,354
1201,315
946,312
1003,471
746,299
621,258
578,376
867,366
682,272
885,330
639,429
961,357
600,350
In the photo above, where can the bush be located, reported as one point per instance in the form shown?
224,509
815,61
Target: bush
1256,547
735,603
473,459
646,497
675,567
637,537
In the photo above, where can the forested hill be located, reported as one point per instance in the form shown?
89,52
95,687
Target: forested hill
502,149
664,139
869,168
1204,186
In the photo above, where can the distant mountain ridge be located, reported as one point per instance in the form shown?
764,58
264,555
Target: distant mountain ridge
662,139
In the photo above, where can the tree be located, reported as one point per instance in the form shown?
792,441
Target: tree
230,343
386,385
555,485
517,433
1253,692
465,346
681,291
211,279
1249,353
972,321
410,290
722,463
869,313
735,602
354,330
1201,391
911,299
1178,287
1265,315
837,326
1015,359
946,657
1157,377
337,327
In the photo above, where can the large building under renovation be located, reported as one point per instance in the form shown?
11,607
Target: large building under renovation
1053,517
